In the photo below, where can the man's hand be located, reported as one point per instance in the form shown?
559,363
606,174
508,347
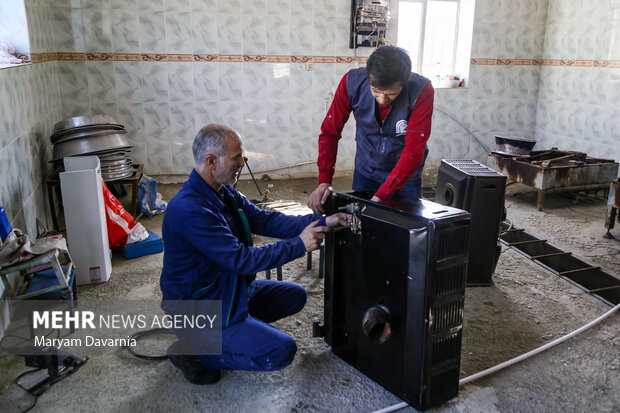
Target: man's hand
313,235
318,198
375,199
340,219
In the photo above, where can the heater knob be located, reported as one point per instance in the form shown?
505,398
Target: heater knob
376,324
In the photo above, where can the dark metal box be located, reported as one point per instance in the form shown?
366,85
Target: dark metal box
394,294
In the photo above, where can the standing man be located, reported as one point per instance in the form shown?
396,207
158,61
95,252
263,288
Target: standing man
207,233
393,108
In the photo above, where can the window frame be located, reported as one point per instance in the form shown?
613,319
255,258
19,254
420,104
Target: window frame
420,57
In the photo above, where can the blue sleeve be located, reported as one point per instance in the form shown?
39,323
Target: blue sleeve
209,234
276,224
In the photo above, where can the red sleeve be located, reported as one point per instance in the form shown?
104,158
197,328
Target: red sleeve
418,132
331,132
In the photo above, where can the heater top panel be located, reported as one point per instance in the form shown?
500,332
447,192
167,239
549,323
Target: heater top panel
420,210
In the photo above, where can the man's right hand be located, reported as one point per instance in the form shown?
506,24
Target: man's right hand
318,198
313,235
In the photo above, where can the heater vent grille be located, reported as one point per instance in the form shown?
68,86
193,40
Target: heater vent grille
444,385
452,242
449,280
471,167
447,315
446,348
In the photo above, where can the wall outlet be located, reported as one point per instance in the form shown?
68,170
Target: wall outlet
309,66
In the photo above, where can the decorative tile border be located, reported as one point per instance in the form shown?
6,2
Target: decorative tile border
163,57
127,57
545,62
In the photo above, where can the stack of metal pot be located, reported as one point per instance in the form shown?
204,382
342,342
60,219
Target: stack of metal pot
99,135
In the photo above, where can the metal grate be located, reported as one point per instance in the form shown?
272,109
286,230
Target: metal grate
444,384
452,243
449,280
592,279
446,348
471,167
447,315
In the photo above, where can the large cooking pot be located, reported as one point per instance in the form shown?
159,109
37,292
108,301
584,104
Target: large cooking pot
84,120
89,145
514,145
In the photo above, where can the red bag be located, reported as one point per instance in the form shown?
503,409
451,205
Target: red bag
122,228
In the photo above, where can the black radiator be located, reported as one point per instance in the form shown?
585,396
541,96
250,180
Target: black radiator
394,291
469,185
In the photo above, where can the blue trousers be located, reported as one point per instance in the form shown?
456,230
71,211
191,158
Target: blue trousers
253,344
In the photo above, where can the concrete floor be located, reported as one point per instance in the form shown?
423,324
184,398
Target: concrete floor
525,308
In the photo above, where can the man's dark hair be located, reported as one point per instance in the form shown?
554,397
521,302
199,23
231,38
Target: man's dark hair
387,66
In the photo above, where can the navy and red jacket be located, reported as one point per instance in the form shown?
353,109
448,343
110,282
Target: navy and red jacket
390,151
204,258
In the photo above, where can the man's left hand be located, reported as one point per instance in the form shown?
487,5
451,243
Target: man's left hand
375,199
340,219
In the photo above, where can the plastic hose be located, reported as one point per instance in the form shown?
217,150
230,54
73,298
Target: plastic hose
516,359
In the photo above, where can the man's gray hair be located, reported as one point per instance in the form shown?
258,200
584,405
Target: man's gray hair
211,140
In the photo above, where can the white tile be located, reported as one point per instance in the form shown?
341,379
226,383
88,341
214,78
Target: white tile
97,31
229,6
206,113
125,31
278,81
230,81
180,82
324,36
231,115
182,157
301,35
278,38
278,120
68,30
230,34
255,120
179,33
322,80
159,157
177,6
204,33
101,83
204,6
182,121
157,121
154,81
206,81
152,32
254,34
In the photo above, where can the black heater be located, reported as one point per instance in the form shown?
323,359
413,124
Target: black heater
394,293
469,185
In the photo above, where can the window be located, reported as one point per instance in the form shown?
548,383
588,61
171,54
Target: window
13,29
437,34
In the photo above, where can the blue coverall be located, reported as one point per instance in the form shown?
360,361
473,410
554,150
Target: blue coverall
205,258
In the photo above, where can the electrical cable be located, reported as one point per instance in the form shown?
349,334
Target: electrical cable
40,388
516,359
139,334
454,118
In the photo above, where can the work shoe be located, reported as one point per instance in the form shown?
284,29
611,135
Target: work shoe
190,365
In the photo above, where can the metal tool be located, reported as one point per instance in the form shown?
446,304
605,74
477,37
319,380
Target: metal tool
355,209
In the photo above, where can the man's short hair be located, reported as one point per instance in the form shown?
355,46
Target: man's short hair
387,66
211,140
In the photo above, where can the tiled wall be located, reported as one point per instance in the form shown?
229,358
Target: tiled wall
165,96
579,103
277,105
274,101
29,107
